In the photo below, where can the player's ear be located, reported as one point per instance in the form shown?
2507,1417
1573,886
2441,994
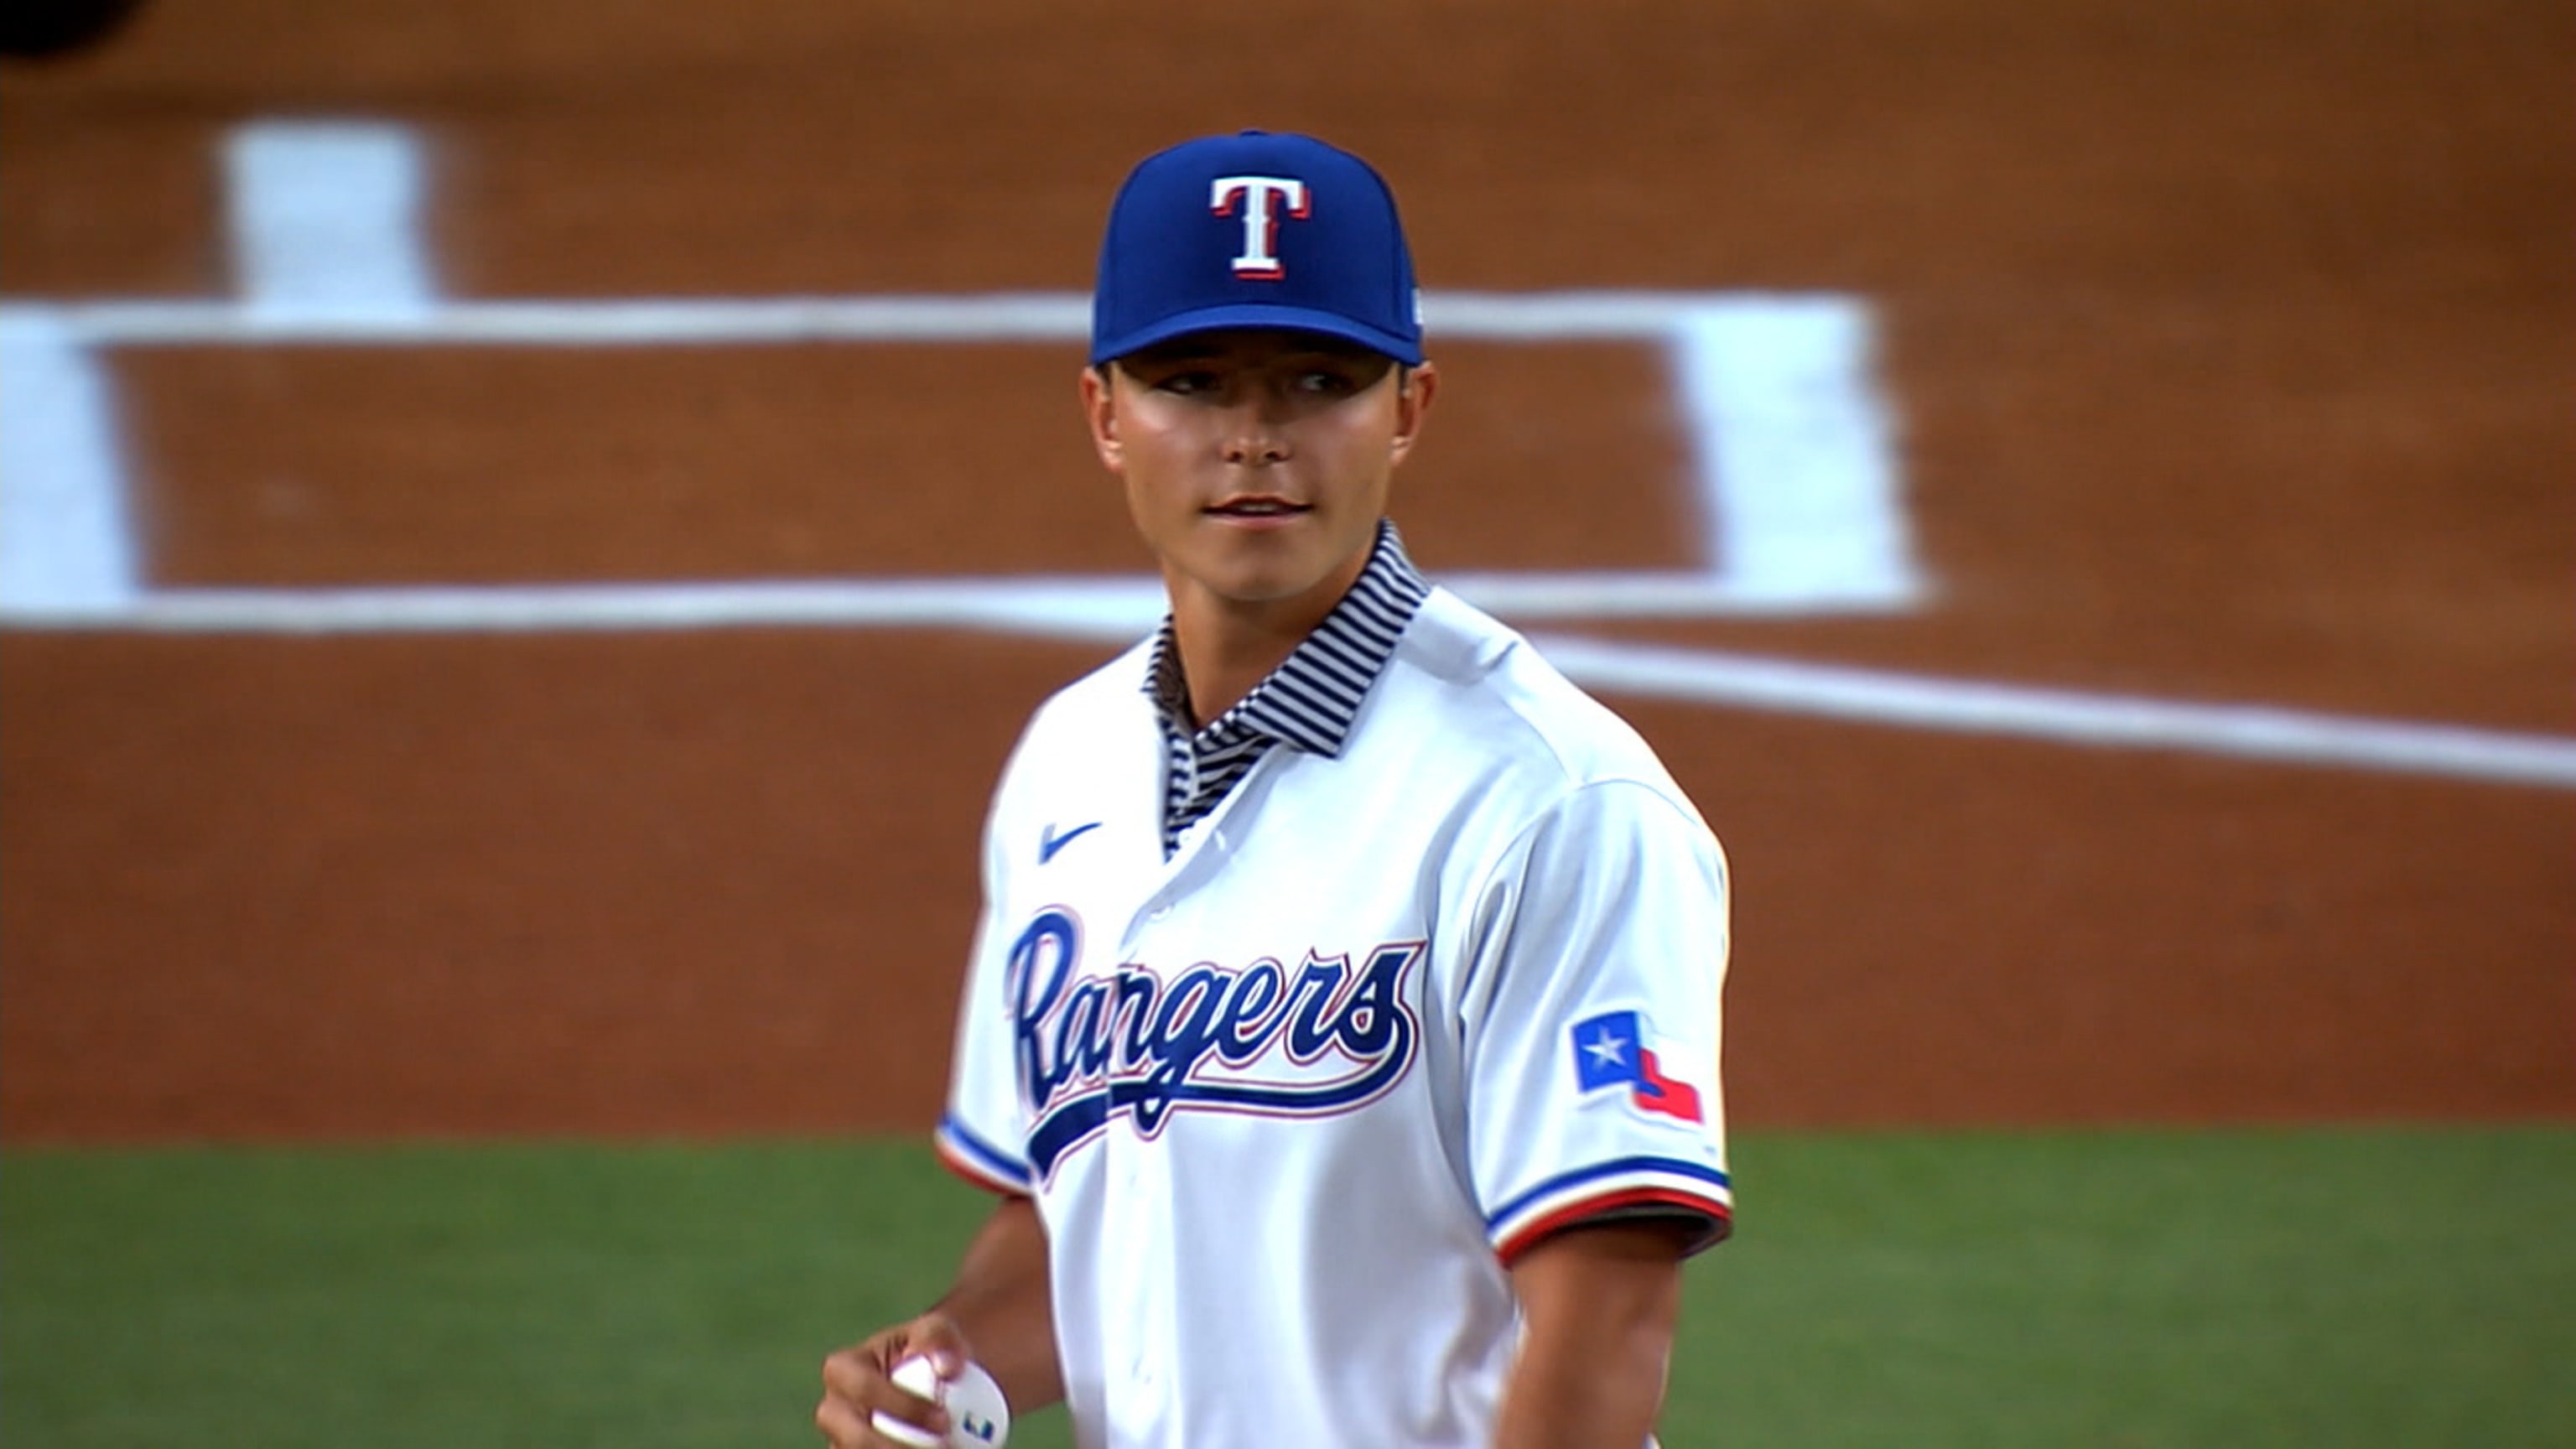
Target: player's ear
1100,411
1415,388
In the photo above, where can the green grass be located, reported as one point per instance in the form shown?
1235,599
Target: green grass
2342,1287
2346,1287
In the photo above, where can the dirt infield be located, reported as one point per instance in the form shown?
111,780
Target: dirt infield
2231,354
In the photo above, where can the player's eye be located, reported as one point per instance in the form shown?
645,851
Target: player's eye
1187,383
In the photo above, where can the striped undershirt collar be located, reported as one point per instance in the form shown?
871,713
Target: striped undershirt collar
1308,703
1310,700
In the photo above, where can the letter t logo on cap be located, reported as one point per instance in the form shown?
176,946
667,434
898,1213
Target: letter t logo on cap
1260,220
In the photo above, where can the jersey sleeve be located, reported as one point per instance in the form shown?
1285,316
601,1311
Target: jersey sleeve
983,1133
1591,1023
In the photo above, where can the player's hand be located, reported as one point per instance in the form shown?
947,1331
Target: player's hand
858,1382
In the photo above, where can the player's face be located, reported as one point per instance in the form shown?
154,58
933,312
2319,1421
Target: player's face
1257,462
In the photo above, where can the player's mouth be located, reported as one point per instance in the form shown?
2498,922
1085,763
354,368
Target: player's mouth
1258,510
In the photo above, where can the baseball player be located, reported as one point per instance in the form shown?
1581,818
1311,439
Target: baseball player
1341,1033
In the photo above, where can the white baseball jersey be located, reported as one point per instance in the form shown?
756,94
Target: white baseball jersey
1291,1099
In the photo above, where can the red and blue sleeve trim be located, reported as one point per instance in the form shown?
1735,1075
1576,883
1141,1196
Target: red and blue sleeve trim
1687,1188
979,1161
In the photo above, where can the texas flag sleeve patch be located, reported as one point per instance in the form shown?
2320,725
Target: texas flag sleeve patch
1611,1051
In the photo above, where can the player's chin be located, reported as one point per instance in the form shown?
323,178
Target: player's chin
1269,563
1261,580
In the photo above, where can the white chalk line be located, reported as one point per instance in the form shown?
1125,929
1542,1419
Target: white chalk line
328,246
1102,606
1106,609
991,317
328,213
65,540
1793,470
1793,456
1795,448
2069,717
1114,610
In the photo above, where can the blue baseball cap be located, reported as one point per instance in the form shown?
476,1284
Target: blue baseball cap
1258,229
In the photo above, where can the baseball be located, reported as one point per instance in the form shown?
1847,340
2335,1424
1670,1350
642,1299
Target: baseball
979,1419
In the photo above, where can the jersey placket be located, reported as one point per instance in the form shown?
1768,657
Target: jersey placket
1142,1300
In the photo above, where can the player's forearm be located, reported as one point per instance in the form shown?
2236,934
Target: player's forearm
1587,1400
1599,1306
1000,1300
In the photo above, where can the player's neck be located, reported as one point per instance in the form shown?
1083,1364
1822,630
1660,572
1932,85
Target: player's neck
1227,646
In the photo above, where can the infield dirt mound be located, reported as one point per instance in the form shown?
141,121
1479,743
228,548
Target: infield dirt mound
2231,351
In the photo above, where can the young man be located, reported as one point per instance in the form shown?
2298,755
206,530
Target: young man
1341,1034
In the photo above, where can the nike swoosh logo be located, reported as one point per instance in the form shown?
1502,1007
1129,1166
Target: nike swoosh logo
1049,842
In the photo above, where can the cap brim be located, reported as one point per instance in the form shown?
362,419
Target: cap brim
1295,319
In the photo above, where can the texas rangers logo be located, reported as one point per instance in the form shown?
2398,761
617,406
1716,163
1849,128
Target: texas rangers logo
1263,198
1261,1040
1610,1051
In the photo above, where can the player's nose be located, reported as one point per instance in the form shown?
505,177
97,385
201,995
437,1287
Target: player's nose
1253,438
1256,452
